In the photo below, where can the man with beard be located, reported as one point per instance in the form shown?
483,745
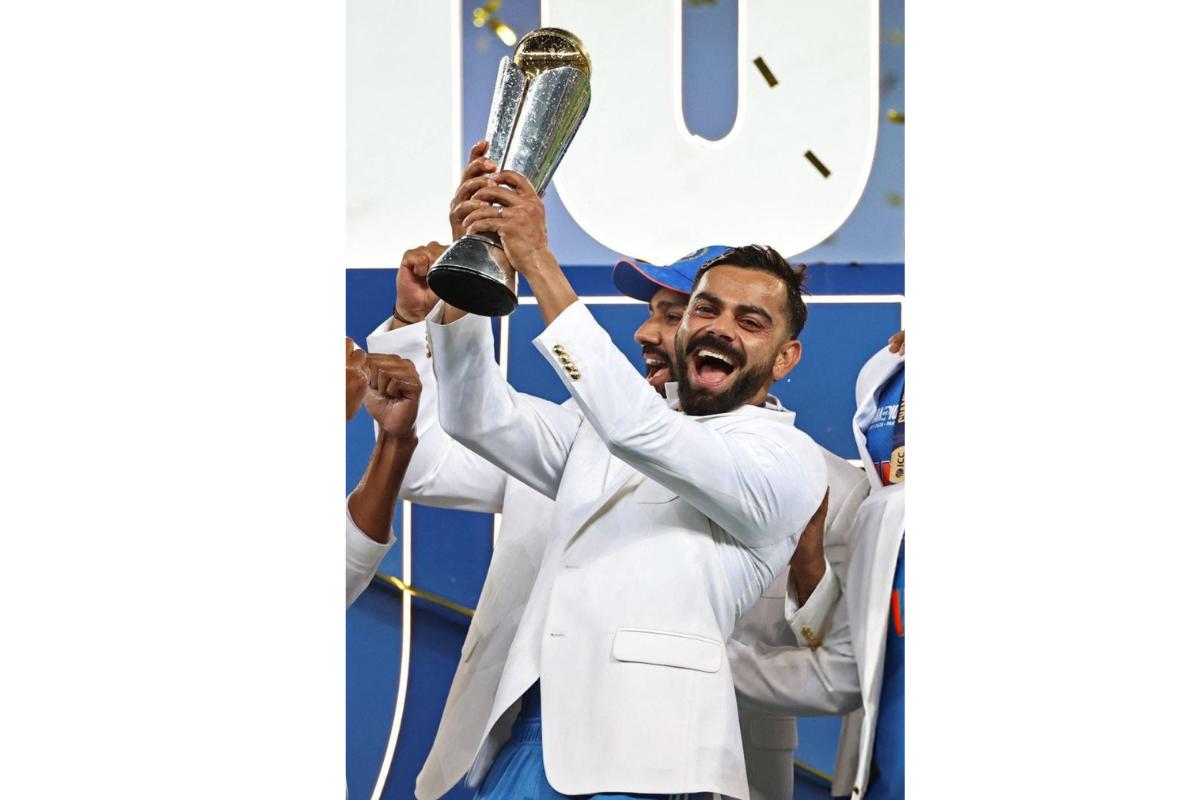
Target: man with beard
666,526
448,475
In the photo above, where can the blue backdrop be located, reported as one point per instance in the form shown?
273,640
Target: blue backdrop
855,308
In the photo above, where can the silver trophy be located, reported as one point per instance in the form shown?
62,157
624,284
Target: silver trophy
540,99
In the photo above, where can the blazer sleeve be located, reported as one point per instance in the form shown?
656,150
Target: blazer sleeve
798,680
441,472
759,479
527,437
810,622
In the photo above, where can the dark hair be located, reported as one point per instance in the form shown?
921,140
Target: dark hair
766,259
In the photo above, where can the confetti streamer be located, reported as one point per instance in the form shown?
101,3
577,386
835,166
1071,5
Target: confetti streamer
816,162
895,116
703,2
895,37
766,71
895,199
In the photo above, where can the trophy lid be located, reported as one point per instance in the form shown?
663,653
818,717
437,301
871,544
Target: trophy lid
546,48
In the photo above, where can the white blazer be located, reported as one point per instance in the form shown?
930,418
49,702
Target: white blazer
664,530
844,674
445,474
764,649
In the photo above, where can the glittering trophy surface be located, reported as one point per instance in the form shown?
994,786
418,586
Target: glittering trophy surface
540,99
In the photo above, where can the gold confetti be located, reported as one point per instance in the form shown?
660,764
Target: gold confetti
816,162
895,37
895,116
480,16
506,34
766,71
485,15
895,199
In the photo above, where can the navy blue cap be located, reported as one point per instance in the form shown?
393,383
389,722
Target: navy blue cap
640,280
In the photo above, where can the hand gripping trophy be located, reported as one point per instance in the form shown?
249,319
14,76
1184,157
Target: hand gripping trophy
540,99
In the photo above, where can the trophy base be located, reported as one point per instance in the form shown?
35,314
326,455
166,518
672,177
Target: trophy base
466,276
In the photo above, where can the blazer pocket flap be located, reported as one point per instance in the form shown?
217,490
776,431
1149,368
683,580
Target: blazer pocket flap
651,492
668,649
772,733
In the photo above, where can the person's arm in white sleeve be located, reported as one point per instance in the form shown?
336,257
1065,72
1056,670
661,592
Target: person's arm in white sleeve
808,608
527,437
363,556
760,485
798,680
442,472
393,392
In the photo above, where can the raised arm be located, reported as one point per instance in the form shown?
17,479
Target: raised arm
392,396
527,437
442,473
757,478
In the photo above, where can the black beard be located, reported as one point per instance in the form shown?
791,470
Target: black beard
700,402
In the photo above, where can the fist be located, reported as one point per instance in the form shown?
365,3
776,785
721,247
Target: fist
393,394
356,377
896,343
414,299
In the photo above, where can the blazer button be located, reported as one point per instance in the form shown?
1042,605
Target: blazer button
810,638
559,349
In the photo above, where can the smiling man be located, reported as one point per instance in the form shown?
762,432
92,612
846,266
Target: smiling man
665,527
739,334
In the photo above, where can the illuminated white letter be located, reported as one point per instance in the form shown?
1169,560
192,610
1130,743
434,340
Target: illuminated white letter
641,184
403,126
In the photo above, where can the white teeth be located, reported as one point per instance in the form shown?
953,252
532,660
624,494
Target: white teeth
718,356
653,362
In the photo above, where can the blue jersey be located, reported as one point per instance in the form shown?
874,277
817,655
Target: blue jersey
885,431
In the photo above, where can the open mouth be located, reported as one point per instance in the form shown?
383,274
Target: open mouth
709,369
658,371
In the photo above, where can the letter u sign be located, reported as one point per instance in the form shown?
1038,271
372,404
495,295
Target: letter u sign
788,173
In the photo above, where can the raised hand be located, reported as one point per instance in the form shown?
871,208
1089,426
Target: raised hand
475,176
393,395
356,377
510,207
896,343
414,298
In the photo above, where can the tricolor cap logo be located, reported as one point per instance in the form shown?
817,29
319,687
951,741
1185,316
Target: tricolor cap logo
641,279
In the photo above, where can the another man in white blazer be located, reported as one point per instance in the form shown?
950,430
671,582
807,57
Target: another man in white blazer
666,526
859,666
